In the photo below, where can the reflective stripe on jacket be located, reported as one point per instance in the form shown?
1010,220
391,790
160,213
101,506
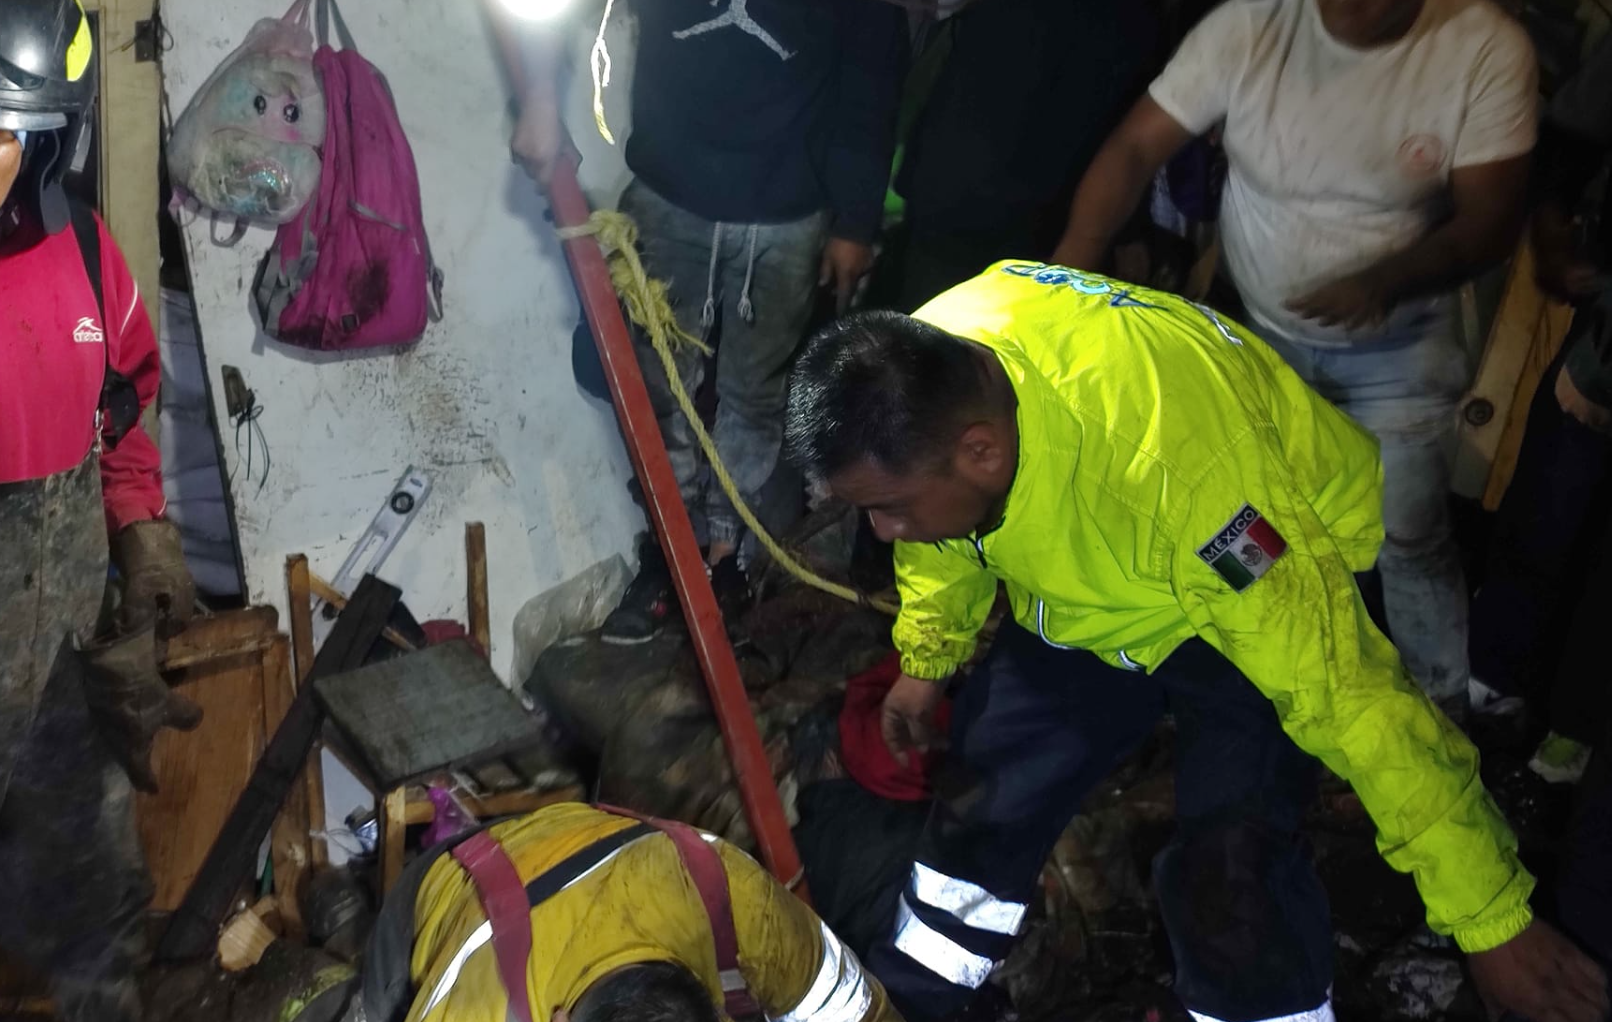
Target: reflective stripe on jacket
1153,435
638,905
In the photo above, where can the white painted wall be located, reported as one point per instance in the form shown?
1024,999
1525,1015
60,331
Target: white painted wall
486,402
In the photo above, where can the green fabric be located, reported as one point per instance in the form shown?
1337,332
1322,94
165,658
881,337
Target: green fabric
1146,424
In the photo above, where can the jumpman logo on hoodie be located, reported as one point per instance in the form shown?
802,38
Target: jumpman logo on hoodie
735,17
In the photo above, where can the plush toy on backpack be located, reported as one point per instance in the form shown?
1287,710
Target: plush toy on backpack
353,269
247,145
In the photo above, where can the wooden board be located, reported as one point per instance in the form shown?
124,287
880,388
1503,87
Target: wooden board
299,591
439,709
203,772
479,614
131,133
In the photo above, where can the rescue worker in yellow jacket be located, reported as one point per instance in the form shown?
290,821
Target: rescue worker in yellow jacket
1178,520
618,922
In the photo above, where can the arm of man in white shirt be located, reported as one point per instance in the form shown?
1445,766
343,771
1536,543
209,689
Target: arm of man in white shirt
1486,193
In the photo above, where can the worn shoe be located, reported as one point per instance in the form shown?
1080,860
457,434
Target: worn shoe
647,605
732,588
1560,760
1488,702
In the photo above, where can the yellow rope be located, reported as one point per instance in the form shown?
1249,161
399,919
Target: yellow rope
648,306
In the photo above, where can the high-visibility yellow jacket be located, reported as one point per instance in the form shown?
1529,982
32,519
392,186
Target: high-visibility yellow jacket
1156,439
638,906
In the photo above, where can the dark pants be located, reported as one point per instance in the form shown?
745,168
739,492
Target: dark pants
1034,729
73,884
1538,621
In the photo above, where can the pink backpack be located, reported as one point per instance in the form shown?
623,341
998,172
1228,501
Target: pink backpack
354,269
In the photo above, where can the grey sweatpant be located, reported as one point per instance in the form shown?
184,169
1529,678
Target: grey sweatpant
747,290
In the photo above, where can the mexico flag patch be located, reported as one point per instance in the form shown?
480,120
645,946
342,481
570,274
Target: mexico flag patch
1243,549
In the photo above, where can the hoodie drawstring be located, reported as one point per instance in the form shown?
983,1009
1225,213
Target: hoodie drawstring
747,308
708,313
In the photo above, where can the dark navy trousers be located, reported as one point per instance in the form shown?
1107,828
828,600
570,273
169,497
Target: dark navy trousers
1034,729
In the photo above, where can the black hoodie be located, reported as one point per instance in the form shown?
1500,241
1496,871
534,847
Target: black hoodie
766,111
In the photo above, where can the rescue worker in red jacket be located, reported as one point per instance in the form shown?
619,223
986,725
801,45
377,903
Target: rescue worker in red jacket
79,703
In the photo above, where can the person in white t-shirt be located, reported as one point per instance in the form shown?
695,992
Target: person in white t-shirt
1378,154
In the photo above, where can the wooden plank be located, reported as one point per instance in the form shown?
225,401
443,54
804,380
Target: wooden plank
223,636
203,772
193,929
299,590
419,809
289,840
131,100
394,828
479,614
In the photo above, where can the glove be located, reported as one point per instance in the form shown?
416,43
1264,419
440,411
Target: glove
130,702
157,587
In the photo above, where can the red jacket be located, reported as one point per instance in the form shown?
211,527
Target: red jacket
52,362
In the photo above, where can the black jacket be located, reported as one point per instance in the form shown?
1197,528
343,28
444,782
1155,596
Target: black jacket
766,111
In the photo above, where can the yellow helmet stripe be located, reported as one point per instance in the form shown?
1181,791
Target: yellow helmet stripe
83,47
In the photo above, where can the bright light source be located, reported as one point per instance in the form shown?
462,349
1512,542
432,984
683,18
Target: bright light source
535,10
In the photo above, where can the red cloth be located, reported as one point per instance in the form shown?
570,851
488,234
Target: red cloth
52,350
862,748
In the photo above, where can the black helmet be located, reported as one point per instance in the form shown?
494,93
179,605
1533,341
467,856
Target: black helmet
47,87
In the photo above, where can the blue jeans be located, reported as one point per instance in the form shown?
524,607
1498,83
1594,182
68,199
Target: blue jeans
1034,728
1406,394
747,290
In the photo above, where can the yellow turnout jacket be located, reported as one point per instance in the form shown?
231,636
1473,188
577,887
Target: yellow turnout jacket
639,905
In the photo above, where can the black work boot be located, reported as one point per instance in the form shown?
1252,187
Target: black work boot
648,603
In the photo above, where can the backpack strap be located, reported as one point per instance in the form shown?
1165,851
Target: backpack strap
119,410
704,866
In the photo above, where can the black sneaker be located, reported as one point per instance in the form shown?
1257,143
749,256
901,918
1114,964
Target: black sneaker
732,589
647,605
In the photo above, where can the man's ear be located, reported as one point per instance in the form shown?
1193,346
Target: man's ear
560,1015
981,452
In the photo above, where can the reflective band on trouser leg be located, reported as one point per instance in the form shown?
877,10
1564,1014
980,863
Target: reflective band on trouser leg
939,953
971,904
840,993
1321,1014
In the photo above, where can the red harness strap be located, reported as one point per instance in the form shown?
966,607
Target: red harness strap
503,899
710,878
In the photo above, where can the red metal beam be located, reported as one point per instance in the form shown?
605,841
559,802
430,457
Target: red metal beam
646,449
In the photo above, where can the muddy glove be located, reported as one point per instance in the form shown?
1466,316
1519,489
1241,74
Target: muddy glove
130,702
157,587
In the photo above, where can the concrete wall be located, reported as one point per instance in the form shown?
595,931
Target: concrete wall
486,402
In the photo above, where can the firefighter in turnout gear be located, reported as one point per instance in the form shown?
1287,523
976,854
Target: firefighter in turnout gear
79,703
598,916
1178,521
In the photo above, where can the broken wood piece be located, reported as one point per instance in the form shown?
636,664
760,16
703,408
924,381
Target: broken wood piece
222,637
394,828
331,595
193,929
246,937
476,600
299,590
289,841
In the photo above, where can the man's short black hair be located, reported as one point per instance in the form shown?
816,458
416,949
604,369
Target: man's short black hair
883,387
649,992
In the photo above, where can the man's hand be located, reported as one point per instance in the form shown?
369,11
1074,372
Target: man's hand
1574,403
845,263
1540,976
908,717
539,139
1357,301
157,588
1560,267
